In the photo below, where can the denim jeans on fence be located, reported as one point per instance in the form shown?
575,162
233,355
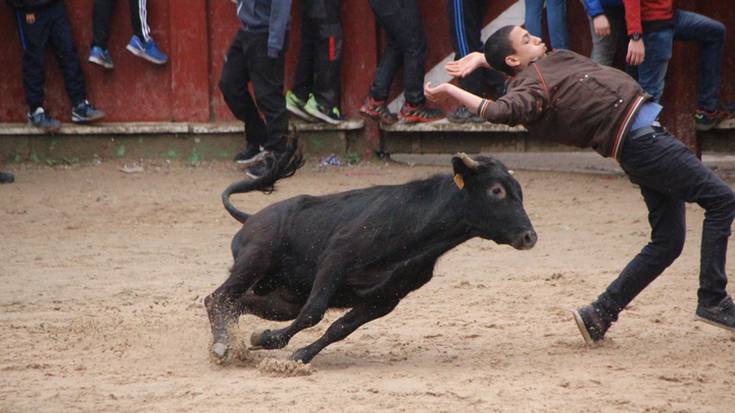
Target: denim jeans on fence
689,27
669,175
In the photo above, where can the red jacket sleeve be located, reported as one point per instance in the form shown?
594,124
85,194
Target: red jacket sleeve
633,16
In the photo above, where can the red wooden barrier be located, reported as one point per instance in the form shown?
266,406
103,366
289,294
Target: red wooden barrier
196,34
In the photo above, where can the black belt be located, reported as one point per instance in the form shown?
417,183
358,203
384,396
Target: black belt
646,130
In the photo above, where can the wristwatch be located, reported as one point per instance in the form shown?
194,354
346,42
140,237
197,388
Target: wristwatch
636,36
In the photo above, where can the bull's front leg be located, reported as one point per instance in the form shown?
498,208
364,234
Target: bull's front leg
359,315
325,284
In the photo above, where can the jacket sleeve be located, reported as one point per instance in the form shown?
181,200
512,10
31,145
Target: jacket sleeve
280,13
633,16
593,7
18,4
523,104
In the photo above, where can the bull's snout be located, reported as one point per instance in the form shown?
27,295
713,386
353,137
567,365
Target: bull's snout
525,240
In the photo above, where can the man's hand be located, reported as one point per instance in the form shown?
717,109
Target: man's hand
437,93
602,25
636,52
30,18
466,65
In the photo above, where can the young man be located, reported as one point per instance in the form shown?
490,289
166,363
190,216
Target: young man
404,28
465,29
316,90
256,55
41,22
141,44
570,99
653,26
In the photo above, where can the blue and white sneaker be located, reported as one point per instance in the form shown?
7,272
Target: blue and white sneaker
101,57
43,121
84,112
147,50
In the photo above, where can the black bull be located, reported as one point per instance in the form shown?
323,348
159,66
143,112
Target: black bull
364,250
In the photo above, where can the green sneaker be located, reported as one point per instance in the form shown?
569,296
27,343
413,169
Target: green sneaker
318,111
296,106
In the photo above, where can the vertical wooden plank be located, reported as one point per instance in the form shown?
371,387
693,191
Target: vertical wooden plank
189,61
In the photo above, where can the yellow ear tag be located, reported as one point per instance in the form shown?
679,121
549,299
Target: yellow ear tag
459,181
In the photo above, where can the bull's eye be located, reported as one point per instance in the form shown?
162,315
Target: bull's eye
497,191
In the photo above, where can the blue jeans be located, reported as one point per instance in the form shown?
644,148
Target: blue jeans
688,26
556,15
669,174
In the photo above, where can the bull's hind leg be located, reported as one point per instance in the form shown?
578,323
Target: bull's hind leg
344,326
224,306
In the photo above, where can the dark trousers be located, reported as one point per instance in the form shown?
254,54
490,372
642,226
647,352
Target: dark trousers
102,12
51,26
465,28
320,57
247,61
669,175
403,26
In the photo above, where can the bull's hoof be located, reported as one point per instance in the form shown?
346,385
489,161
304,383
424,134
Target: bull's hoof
219,350
266,340
303,355
256,339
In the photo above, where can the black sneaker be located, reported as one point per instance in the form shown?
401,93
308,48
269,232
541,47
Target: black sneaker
463,115
247,153
378,110
259,158
6,178
591,324
721,315
40,119
84,112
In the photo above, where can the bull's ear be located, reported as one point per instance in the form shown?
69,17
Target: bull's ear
464,167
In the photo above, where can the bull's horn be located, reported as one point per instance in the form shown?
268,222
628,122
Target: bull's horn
468,162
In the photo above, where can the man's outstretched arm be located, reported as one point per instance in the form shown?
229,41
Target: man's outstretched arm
467,65
446,91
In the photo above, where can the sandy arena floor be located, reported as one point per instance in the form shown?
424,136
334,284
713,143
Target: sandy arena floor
102,276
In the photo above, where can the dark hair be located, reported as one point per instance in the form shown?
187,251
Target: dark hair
499,46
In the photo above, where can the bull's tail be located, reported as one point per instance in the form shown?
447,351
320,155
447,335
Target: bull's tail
279,167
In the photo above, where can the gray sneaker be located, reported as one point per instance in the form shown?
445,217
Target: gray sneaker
720,315
84,112
40,119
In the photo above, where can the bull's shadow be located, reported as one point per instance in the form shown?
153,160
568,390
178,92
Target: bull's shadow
363,250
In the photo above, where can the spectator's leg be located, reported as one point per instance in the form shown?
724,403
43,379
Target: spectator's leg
304,76
534,10
66,53
710,34
266,75
34,38
385,12
101,15
652,72
329,57
465,26
408,28
556,14
139,19
234,86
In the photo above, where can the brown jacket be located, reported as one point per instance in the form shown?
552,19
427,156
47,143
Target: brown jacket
569,99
